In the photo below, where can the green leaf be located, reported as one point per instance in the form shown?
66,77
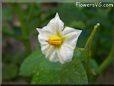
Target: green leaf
35,62
46,72
81,53
30,64
69,73
73,73
44,76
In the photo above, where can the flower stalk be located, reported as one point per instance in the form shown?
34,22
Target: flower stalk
90,39
88,49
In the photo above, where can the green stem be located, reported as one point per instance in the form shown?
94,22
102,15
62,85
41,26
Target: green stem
107,62
24,27
109,59
88,49
90,39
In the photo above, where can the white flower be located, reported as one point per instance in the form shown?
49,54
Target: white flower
58,42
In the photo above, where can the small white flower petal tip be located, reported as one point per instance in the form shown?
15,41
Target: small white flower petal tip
37,29
57,14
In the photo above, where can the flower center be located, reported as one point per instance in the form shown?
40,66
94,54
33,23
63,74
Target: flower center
55,40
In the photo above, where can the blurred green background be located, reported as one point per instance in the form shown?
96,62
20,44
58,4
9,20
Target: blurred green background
19,23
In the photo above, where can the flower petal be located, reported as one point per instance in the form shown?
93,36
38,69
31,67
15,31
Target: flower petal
44,48
71,36
56,24
44,33
54,56
65,53
51,54
60,57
